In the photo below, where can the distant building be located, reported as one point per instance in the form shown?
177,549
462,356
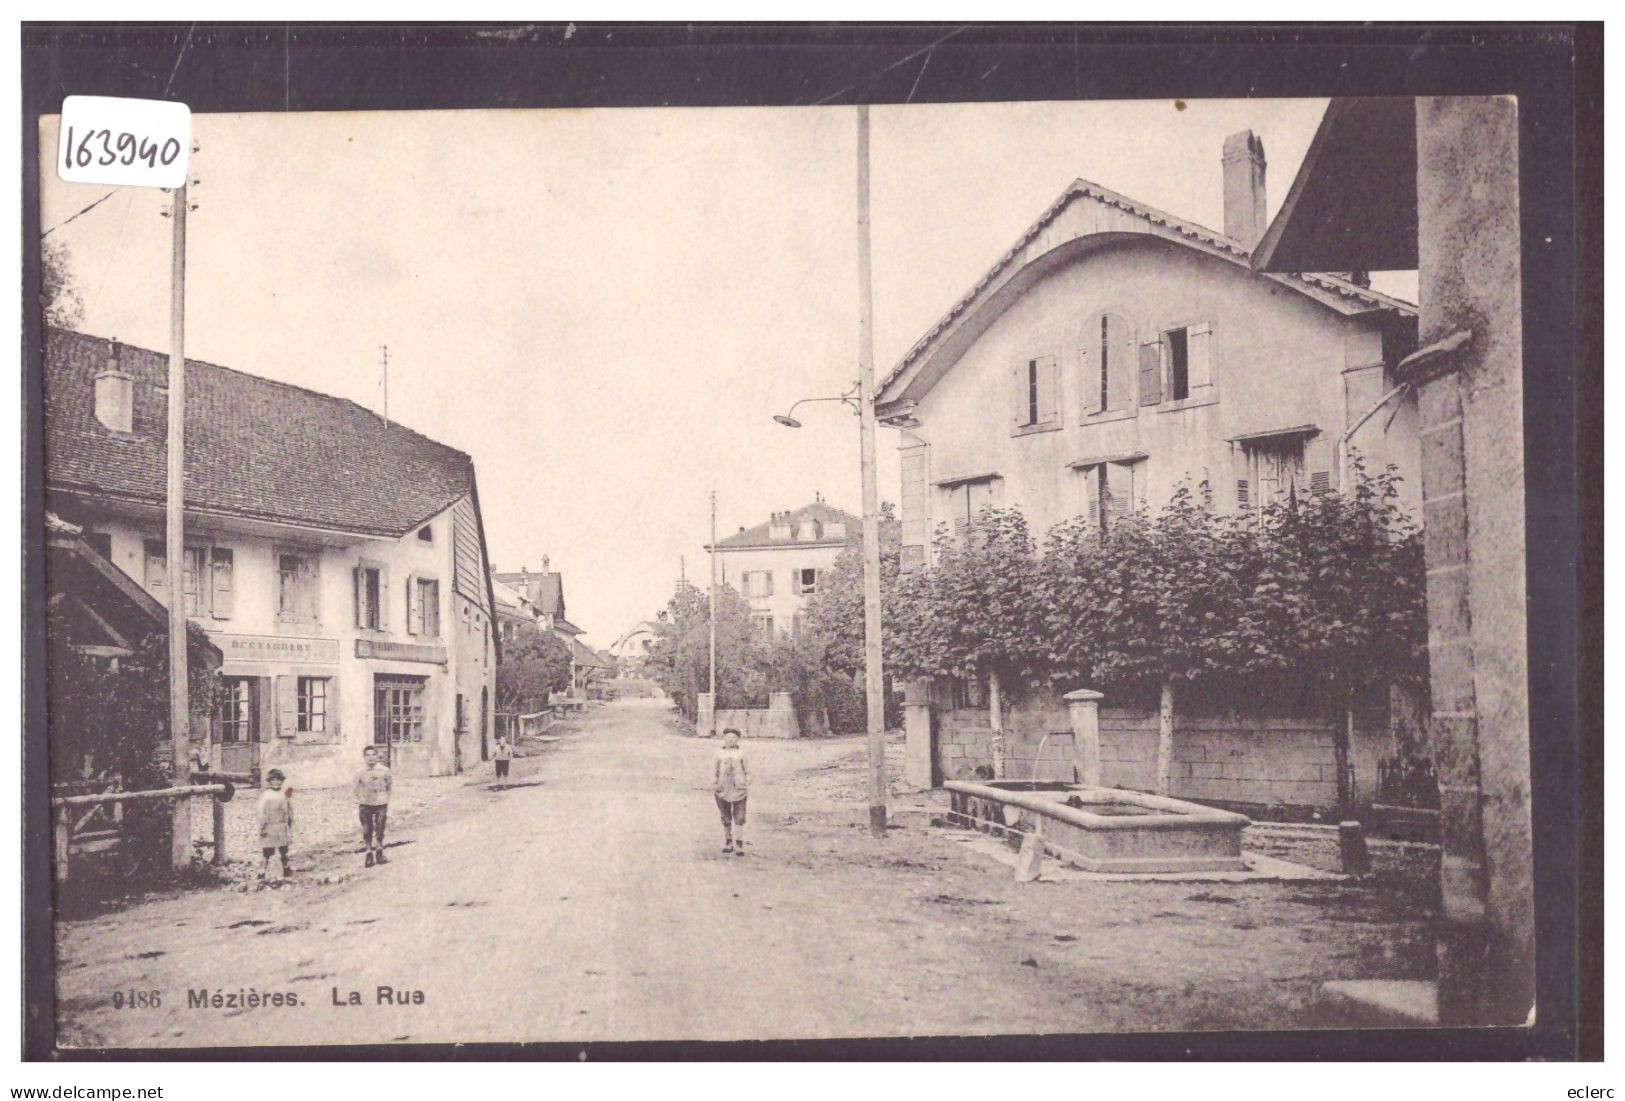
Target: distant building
336,559
778,566
543,590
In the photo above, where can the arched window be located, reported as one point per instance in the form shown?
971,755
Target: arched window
1109,364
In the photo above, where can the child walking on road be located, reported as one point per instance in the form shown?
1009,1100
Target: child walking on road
372,787
276,825
504,754
731,783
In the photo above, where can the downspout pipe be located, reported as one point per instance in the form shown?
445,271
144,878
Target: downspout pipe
1343,440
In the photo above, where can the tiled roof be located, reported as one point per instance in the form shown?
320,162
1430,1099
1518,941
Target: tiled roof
1199,236
543,589
254,448
823,514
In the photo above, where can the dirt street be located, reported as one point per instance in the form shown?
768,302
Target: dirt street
590,900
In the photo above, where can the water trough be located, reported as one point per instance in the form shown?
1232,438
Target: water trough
1104,829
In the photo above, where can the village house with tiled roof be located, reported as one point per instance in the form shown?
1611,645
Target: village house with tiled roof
1114,353
337,559
779,565
543,592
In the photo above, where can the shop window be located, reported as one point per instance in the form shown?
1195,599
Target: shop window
397,709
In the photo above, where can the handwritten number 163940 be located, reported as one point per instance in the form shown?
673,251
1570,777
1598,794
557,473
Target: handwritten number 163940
103,147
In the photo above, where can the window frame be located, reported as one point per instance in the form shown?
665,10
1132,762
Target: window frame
229,718
308,609
1198,393
404,711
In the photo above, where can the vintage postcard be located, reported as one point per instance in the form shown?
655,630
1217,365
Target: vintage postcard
708,573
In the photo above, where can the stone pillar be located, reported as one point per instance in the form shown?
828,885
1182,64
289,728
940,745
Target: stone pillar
781,716
917,747
1471,413
705,721
1083,707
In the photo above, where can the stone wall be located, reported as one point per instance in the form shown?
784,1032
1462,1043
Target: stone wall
1261,760
777,720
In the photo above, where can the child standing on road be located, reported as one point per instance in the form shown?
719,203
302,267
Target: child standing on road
373,785
731,783
504,754
276,825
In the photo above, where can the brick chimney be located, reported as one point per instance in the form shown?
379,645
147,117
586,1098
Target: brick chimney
115,394
1245,216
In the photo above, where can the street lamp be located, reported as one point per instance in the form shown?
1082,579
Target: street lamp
849,398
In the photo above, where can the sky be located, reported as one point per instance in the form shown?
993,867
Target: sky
606,307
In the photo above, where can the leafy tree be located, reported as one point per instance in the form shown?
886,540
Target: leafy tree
981,615
535,664
834,616
64,307
679,656
1340,599
1150,605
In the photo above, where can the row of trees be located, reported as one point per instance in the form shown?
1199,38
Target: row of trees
750,665
1303,605
1308,603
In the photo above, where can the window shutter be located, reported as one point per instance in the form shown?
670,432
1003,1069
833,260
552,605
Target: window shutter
287,706
1090,372
153,569
1119,478
1241,463
334,734
414,606
1151,353
1018,394
1091,495
222,571
1199,356
358,584
1049,390
1317,462
383,599
431,616
267,709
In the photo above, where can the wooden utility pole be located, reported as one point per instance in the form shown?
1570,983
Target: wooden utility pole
873,674
180,711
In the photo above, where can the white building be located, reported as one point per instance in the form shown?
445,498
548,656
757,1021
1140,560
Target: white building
1116,352
778,566
335,558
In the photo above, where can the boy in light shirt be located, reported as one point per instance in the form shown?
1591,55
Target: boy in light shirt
373,785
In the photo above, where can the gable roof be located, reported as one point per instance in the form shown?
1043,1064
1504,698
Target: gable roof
254,447
1047,235
819,512
543,589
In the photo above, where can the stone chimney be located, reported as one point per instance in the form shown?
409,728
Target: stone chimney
1245,212
115,395
546,562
